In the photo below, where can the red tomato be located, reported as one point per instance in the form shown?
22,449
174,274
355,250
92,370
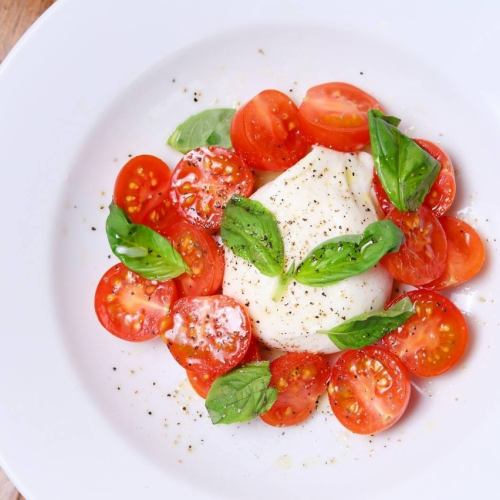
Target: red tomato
142,191
300,379
335,115
442,193
466,254
204,181
434,339
202,382
202,254
422,256
132,307
369,390
209,334
265,132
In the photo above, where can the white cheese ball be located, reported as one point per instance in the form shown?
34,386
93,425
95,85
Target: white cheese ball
326,194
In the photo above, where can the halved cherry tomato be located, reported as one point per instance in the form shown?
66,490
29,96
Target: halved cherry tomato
335,115
142,191
203,256
434,339
369,390
201,382
131,307
300,379
265,132
442,193
466,254
422,256
204,181
440,198
209,334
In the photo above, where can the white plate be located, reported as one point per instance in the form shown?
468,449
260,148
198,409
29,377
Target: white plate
93,82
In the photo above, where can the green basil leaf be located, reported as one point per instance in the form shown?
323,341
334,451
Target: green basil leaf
208,128
369,327
250,230
141,249
405,170
349,255
241,394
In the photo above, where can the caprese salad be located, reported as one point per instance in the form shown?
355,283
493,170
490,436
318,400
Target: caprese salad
270,297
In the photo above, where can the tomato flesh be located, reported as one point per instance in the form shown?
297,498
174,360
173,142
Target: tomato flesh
422,256
300,379
203,256
131,307
202,382
204,181
465,257
142,191
265,132
442,193
434,339
209,334
335,115
369,390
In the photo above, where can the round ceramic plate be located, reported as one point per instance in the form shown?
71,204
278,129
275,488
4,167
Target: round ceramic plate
84,415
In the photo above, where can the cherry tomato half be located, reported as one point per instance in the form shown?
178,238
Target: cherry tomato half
465,257
335,115
300,379
142,191
203,256
265,132
204,181
202,382
369,390
132,307
209,334
422,256
442,193
434,339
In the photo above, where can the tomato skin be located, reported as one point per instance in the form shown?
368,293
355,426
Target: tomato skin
300,379
465,257
133,308
202,382
202,254
265,132
422,256
335,115
142,191
209,334
369,390
204,181
442,193
434,339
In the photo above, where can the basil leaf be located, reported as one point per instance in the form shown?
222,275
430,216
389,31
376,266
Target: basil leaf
349,255
208,128
242,394
141,249
369,327
250,230
405,170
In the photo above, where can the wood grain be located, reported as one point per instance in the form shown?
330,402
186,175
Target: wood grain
16,16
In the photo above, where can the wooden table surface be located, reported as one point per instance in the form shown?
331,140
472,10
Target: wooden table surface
16,16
